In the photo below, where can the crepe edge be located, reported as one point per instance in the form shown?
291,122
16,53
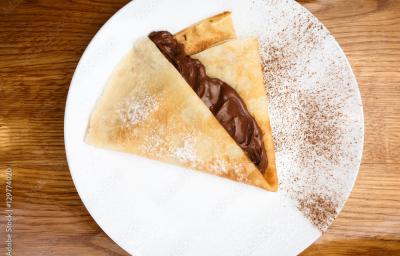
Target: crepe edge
269,173
206,33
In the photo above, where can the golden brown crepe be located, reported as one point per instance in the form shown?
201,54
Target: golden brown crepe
206,33
148,109
237,62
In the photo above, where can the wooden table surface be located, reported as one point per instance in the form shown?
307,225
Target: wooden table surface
40,45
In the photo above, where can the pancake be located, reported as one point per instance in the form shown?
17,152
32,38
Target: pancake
148,109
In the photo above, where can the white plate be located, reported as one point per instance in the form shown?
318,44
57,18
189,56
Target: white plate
152,208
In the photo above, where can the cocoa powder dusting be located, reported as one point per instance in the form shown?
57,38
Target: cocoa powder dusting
318,209
308,97
320,127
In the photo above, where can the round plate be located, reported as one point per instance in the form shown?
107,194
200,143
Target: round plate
152,208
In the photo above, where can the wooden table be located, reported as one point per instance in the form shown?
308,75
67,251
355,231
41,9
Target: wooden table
40,45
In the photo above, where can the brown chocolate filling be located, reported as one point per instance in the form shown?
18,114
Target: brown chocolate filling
222,100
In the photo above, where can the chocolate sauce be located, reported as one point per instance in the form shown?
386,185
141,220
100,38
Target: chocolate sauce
222,100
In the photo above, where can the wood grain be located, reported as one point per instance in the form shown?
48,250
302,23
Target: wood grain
41,42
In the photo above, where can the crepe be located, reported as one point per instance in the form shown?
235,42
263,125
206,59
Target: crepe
206,33
148,109
237,62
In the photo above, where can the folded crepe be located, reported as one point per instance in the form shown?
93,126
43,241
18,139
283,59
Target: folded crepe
147,108
206,33
136,112
237,62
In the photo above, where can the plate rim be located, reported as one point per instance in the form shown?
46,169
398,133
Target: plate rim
91,45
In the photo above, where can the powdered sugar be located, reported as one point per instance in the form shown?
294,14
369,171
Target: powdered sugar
219,166
186,153
161,146
135,109
240,175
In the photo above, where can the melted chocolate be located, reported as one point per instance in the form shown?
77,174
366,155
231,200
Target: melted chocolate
222,100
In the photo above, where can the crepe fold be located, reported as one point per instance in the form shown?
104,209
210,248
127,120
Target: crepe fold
206,33
148,109
237,62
